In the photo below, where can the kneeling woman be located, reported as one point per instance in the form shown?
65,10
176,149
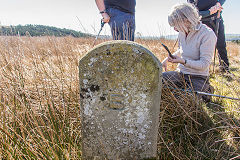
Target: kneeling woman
196,49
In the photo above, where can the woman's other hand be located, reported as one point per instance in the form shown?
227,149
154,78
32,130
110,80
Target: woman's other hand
164,64
176,59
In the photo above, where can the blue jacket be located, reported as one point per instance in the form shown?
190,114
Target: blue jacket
204,6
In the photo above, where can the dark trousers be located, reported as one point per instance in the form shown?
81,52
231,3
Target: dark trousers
193,82
175,79
221,42
122,24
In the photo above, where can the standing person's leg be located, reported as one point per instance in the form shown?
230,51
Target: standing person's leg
221,44
113,13
122,24
221,47
129,27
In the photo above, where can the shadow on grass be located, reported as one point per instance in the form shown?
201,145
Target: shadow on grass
191,130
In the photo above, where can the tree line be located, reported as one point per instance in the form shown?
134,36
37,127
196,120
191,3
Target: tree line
39,30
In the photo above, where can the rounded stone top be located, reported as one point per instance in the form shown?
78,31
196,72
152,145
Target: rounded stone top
120,44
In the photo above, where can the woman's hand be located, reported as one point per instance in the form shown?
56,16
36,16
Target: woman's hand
164,64
176,59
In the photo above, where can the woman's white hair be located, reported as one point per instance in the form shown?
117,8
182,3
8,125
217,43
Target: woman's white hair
184,17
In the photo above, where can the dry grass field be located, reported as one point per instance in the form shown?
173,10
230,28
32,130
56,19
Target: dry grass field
39,104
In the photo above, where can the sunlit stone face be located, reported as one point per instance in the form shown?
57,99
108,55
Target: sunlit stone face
120,87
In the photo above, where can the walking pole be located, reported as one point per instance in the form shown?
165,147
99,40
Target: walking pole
102,25
215,95
216,32
203,93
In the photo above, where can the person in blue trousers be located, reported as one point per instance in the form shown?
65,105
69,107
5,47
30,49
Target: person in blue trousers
208,9
120,15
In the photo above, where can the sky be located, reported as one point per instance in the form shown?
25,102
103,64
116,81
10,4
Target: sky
83,15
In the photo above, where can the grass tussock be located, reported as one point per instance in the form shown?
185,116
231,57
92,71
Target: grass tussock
39,104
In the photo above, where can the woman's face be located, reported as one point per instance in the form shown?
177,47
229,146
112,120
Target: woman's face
186,24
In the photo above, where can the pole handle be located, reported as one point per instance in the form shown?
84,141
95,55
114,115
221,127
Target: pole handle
102,23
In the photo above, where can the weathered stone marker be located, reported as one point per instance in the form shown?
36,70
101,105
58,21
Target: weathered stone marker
120,91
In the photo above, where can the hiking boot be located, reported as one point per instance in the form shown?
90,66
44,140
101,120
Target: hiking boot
211,89
207,98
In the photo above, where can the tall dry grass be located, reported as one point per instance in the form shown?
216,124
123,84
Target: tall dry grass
39,105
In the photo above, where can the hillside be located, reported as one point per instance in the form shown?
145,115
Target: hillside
39,30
